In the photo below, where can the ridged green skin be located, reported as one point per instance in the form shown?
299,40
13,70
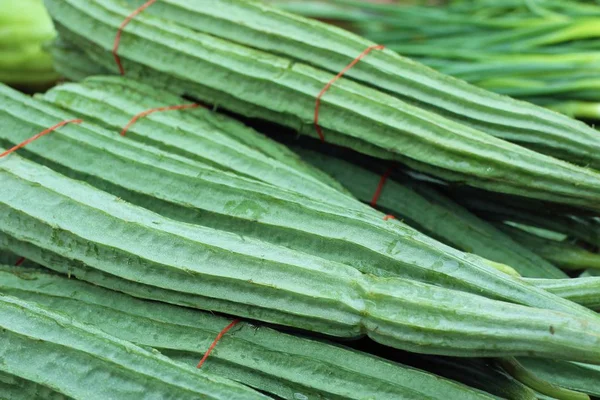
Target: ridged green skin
200,134
574,376
502,386
262,85
564,254
359,238
69,64
584,290
85,363
427,210
468,371
14,388
273,362
260,26
254,279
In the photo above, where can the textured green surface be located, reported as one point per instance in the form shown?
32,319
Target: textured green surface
359,238
14,388
260,26
69,63
250,278
423,208
259,84
199,134
83,362
260,357
584,290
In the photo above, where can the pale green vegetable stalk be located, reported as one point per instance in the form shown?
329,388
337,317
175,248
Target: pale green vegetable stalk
583,290
258,84
546,219
423,208
260,357
566,255
24,28
354,235
483,374
575,376
242,276
83,362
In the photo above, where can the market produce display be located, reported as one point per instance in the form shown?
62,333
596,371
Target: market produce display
544,51
239,201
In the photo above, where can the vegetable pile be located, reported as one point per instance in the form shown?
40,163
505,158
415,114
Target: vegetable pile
544,51
163,235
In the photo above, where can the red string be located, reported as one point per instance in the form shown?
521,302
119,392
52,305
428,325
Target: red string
389,216
39,135
153,110
214,343
338,76
379,189
20,261
120,32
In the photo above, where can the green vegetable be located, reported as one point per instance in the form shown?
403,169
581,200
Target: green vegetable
575,376
258,84
330,48
578,109
24,27
200,135
83,362
354,235
273,362
479,373
542,51
570,225
242,276
427,210
15,388
69,63
517,370
564,254
583,290
8,258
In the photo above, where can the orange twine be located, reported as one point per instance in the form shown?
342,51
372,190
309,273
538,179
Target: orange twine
39,135
120,32
380,186
214,343
338,76
153,110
